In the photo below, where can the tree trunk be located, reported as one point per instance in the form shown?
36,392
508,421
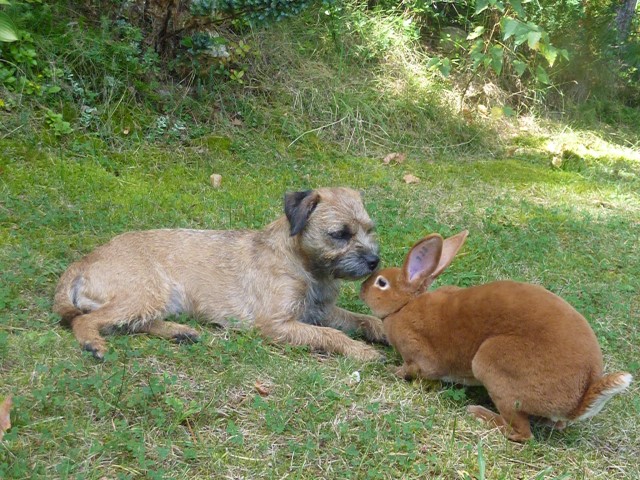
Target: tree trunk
624,18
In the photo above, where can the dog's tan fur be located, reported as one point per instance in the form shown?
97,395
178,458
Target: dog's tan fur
283,279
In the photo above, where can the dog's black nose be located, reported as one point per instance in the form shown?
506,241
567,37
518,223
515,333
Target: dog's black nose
372,261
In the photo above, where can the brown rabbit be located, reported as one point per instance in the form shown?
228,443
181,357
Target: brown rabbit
533,352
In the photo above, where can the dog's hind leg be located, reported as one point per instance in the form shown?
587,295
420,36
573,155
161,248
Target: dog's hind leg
88,329
128,312
319,338
169,330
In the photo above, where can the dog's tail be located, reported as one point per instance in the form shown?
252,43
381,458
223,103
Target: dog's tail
599,393
64,303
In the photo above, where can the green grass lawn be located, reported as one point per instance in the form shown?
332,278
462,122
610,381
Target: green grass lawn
236,406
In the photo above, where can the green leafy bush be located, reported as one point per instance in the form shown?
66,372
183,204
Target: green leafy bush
19,67
199,37
499,38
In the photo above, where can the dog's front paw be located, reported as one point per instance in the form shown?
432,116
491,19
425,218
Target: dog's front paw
367,353
374,330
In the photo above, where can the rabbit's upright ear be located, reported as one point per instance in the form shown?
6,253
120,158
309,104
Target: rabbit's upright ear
422,261
449,250
429,258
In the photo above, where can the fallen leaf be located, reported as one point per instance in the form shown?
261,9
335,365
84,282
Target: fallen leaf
556,161
216,180
5,421
262,389
236,122
394,157
408,178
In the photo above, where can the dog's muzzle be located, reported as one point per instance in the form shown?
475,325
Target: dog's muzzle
353,267
372,261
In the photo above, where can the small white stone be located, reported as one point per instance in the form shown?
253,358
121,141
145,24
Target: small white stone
216,180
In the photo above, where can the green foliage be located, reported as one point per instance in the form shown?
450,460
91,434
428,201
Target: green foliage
536,50
583,29
366,36
601,64
207,57
8,31
21,68
503,41
57,124
19,65
249,10
105,63
199,39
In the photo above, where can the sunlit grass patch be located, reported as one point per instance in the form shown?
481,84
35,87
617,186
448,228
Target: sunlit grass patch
157,409
316,113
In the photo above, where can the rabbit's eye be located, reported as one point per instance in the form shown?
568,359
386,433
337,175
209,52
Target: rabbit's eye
382,283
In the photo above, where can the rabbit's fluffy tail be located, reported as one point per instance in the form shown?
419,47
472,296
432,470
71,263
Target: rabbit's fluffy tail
599,393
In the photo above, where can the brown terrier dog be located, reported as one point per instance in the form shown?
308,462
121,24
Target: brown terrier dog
283,279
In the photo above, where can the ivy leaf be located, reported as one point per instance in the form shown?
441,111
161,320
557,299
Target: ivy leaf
498,4
521,30
519,66
8,31
521,38
445,67
481,5
542,76
549,52
517,7
442,64
509,27
508,111
478,31
496,53
533,38
433,61
478,58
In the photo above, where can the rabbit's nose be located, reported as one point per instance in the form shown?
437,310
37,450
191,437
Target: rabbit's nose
372,261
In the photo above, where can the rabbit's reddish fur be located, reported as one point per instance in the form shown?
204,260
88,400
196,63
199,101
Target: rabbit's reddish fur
534,353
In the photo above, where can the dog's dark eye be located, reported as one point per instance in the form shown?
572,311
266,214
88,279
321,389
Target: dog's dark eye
344,234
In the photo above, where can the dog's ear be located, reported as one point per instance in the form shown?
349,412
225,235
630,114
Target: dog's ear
298,206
